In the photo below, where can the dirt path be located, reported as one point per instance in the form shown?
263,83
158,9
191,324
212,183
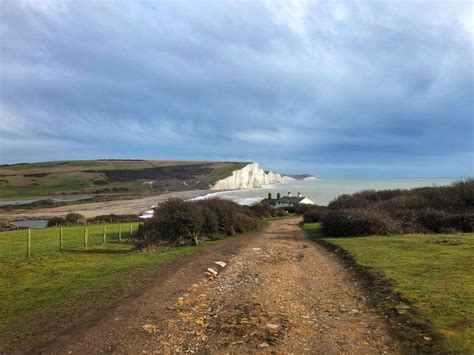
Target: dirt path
279,293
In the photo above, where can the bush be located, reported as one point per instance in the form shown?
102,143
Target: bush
175,221
353,222
278,212
363,199
244,223
465,190
227,214
7,226
426,210
113,218
181,222
74,218
56,221
443,222
313,214
262,210
210,226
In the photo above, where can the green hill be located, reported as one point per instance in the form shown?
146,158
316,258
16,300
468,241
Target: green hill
110,177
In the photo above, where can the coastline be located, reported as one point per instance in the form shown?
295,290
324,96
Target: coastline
93,209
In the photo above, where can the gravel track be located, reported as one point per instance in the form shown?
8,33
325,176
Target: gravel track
278,293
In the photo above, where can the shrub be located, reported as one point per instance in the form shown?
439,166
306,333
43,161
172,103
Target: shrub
353,222
444,222
406,201
110,218
262,210
74,218
210,225
181,222
348,201
278,212
427,209
175,221
7,226
363,199
56,221
442,198
313,214
244,223
226,212
465,190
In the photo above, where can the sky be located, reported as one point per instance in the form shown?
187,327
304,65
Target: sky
333,88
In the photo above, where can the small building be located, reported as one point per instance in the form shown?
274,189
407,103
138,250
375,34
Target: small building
287,201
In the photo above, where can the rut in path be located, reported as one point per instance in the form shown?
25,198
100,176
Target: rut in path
279,293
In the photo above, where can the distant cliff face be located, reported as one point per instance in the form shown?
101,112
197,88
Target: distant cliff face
249,177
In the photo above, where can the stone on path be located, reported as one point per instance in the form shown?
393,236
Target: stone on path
212,271
220,263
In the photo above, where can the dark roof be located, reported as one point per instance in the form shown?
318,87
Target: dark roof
285,199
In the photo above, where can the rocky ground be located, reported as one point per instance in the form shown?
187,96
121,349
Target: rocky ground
273,291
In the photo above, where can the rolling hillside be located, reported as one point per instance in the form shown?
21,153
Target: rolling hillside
110,177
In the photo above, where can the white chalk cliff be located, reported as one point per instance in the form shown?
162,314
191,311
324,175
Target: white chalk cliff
249,177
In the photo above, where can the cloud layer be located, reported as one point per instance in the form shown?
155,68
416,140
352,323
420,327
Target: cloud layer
341,89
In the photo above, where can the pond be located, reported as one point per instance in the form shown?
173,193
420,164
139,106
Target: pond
31,223
50,198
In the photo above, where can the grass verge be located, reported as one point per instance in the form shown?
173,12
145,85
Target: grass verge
47,294
433,274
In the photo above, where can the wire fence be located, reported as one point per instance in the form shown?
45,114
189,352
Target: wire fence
27,242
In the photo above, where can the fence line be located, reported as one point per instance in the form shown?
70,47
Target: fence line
85,236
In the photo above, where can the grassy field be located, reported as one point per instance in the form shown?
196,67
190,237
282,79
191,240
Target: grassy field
49,292
434,271
45,240
109,176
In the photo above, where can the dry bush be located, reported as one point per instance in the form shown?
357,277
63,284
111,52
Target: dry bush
175,221
75,218
443,222
465,190
421,210
352,222
226,212
278,212
262,210
113,218
313,214
56,221
363,199
244,222
181,222
210,227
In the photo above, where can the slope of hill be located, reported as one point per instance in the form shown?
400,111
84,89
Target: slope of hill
110,176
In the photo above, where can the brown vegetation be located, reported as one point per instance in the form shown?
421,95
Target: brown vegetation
421,210
179,222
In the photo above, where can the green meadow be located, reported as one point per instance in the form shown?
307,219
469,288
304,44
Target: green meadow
434,271
52,291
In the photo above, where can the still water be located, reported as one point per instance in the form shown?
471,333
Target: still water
31,223
9,202
322,191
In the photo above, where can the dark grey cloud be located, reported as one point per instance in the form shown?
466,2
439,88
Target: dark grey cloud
331,88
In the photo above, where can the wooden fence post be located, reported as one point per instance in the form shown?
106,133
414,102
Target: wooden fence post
131,229
28,243
120,233
105,233
61,239
85,237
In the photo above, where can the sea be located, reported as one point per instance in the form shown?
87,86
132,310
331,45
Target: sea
322,191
